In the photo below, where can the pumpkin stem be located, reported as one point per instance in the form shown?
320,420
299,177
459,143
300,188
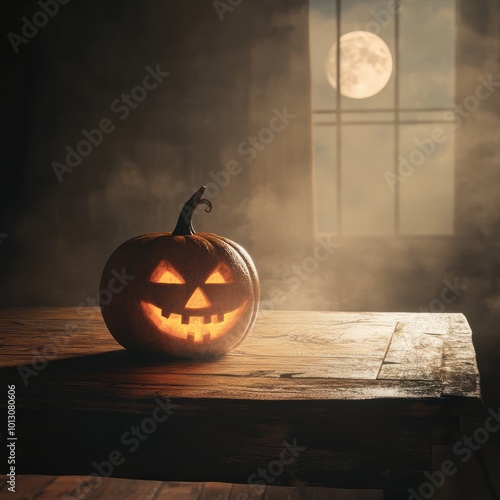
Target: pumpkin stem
184,225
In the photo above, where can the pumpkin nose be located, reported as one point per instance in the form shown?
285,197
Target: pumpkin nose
198,300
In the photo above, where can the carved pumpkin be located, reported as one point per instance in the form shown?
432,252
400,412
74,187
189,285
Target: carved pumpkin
192,294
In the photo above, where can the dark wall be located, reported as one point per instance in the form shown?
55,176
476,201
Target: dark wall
227,73
477,188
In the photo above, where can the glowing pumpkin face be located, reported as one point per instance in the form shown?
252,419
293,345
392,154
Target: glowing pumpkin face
199,311
193,294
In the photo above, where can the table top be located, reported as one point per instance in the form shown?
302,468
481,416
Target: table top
66,357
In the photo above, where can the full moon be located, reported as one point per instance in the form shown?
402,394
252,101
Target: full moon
365,64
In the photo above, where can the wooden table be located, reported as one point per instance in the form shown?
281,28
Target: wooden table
338,399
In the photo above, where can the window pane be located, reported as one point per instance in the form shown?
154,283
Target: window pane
367,202
423,202
322,33
325,169
330,118
427,54
426,169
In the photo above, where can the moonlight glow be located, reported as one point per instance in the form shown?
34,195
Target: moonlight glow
365,64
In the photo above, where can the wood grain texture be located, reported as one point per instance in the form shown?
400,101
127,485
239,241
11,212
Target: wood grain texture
53,487
312,354
367,395
247,492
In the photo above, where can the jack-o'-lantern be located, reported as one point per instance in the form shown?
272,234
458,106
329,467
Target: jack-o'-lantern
188,294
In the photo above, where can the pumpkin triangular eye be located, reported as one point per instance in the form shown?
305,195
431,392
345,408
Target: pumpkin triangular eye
165,273
221,275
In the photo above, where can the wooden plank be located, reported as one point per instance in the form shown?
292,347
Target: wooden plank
124,488
116,395
34,313
247,492
98,488
27,486
413,355
321,336
460,372
230,365
50,487
215,491
179,491
434,347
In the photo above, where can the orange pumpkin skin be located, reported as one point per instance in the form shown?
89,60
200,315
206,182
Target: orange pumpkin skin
192,295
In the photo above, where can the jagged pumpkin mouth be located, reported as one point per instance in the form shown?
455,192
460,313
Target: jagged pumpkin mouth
192,327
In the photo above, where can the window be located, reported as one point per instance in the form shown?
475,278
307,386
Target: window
382,104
